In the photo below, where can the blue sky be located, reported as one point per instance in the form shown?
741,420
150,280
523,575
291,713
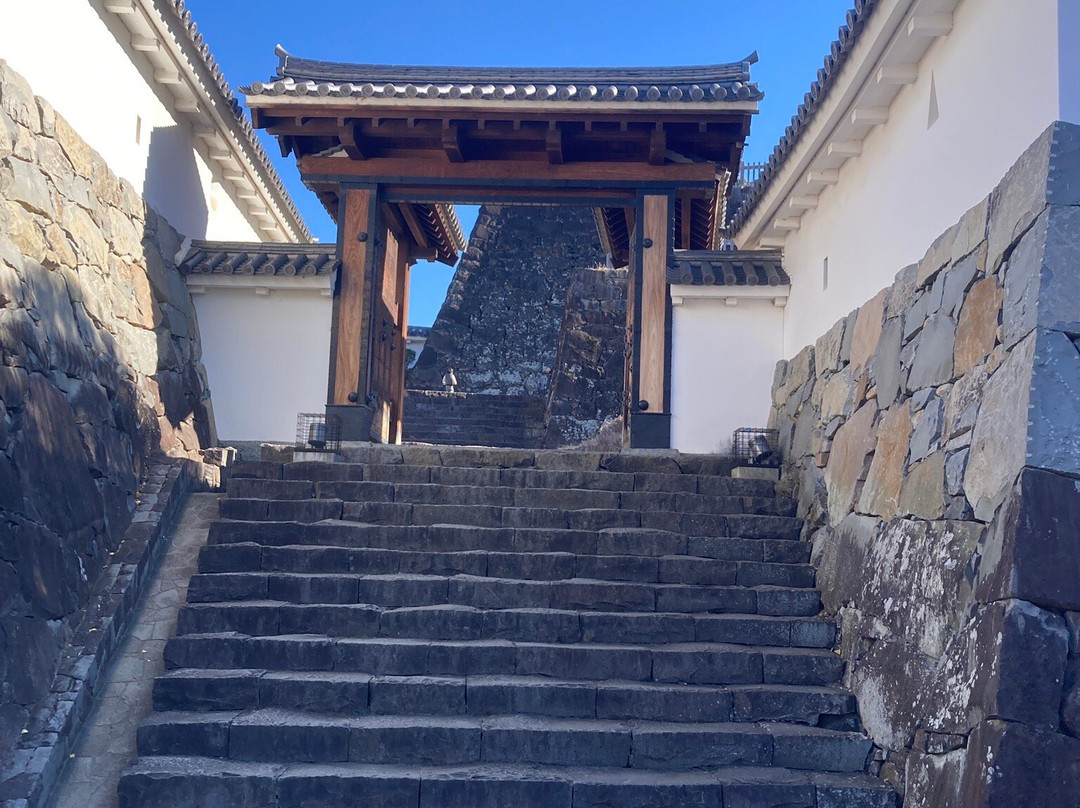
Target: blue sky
791,37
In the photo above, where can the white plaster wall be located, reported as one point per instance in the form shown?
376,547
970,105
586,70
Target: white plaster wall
266,357
722,363
71,58
997,90
1069,58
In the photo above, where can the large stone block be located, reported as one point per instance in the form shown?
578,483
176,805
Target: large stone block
1017,664
1031,552
881,493
933,363
840,555
1053,434
999,444
867,332
976,334
1010,764
886,364
853,443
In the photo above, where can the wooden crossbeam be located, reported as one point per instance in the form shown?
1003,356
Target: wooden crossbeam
451,143
350,140
415,227
553,142
657,145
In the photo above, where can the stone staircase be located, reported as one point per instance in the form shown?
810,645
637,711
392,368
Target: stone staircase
473,419
483,628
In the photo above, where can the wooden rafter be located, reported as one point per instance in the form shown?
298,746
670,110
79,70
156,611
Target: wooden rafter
451,143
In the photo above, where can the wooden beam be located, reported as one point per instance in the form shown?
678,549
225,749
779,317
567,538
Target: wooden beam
553,141
392,214
350,140
497,171
415,227
651,354
351,299
657,145
685,221
451,143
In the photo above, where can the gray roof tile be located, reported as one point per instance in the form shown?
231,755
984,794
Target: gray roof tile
728,268
280,260
705,83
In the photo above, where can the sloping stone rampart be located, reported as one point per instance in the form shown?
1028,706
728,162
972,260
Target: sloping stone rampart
933,440
99,373
533,311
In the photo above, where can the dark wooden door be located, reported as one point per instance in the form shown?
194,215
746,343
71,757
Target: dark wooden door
388,349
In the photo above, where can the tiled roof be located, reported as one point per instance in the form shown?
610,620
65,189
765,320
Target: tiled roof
187,26
706,83
841,48
728,268
281,260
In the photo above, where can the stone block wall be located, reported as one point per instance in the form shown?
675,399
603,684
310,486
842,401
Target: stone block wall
587,382
933,440
99,372
499,325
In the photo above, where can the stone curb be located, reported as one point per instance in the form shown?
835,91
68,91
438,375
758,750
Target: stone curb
54,728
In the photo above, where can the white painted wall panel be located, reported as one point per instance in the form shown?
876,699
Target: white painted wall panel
71,53
266,357
723,358
996,82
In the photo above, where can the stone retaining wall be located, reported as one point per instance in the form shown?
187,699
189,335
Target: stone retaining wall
587,383
933,440
499,326
99,373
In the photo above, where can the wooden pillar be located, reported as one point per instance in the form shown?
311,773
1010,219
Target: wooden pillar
348,380
650,420
404,266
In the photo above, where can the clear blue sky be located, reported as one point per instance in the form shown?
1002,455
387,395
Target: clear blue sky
791,36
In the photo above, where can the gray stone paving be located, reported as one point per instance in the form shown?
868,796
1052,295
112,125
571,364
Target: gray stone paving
107,745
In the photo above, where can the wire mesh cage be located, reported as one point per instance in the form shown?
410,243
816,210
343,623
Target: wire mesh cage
318,432
756,447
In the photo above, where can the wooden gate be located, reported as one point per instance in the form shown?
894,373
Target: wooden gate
388,342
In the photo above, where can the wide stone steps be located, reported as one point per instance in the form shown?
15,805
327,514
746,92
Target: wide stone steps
675,663
277,735
454,627
175,781
455,622
358,694
461,539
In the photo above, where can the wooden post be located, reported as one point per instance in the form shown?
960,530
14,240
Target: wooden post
349,351
649,419
651,369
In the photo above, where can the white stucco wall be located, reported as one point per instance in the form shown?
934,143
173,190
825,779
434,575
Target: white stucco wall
266,357
72,58
996,80
722,363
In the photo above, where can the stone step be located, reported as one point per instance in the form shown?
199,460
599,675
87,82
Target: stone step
683,483
278,735
357,694
586,594
268,618
178,782
241,489
655,461
676,663
457,538
251,557
402,513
